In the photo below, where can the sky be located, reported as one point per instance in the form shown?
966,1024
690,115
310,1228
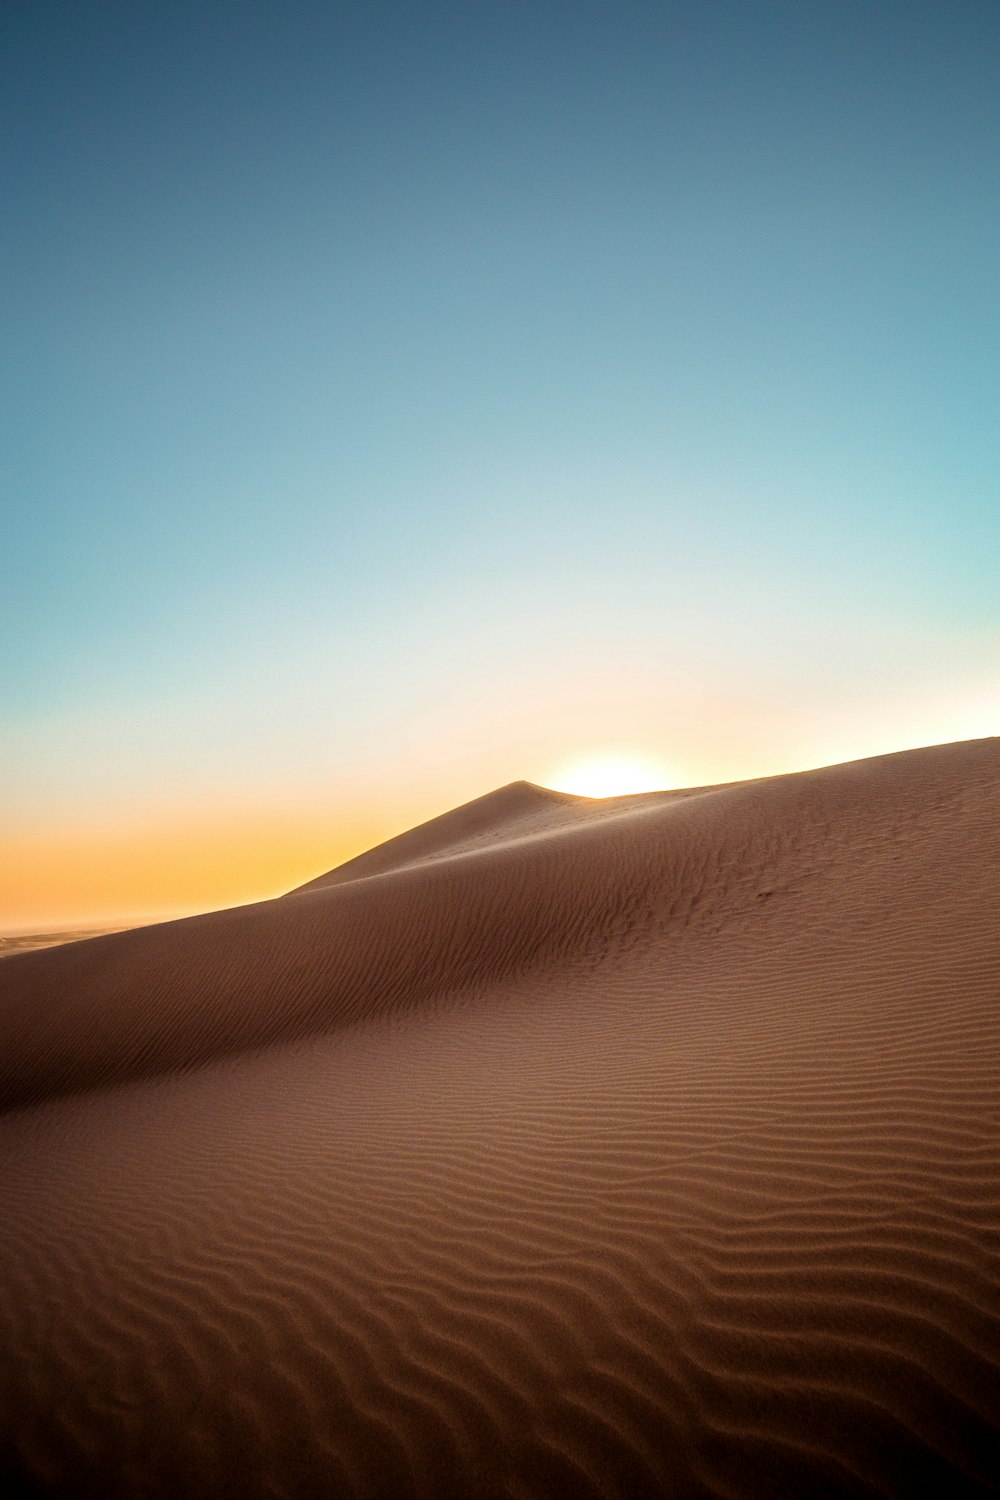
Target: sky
400,399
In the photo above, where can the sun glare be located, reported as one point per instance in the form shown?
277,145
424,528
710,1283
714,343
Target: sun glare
605,776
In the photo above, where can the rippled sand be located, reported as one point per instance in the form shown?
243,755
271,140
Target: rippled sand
557,1148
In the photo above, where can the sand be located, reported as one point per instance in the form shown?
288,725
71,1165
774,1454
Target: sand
557,1148
27,942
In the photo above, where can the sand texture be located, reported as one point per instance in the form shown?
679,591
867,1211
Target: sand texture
557,1148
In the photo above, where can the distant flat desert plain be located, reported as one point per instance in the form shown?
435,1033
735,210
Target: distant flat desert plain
637,1148
28,942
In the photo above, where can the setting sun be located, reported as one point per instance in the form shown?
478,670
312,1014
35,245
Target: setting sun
610,776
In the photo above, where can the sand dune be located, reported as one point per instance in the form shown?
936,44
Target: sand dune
556,1148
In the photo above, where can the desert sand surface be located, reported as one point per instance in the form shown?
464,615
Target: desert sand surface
29,942
620,1149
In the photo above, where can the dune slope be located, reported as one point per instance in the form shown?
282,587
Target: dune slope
629,1149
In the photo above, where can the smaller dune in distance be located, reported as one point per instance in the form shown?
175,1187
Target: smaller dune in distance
626,1149
28,942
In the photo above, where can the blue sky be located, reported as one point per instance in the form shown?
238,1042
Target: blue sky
388,387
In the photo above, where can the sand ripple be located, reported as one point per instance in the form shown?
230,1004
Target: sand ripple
630,1150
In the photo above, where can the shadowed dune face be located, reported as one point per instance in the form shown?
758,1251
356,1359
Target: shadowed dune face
556,1148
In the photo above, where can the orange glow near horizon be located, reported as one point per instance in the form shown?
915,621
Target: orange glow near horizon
158,868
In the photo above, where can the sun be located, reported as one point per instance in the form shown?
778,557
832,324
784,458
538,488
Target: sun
610,776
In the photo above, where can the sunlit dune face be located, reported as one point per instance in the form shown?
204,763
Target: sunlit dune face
610,778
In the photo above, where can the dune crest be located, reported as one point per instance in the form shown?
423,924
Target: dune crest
555,1147
520,806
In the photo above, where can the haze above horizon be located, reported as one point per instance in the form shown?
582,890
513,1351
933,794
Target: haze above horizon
403,400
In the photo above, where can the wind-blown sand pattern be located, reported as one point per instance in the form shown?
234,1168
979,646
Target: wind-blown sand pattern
557,1148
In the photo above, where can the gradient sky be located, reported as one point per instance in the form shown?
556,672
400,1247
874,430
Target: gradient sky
399,399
